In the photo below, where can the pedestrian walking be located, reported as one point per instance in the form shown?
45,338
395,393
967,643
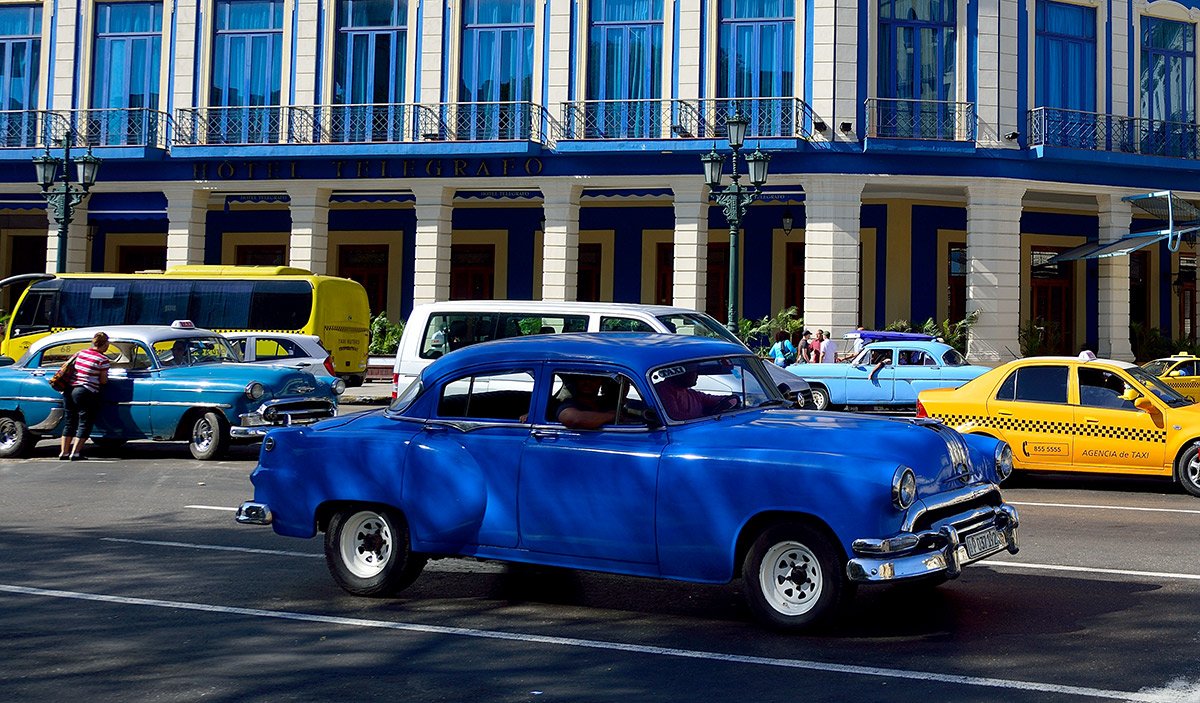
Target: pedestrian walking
828,348
81,400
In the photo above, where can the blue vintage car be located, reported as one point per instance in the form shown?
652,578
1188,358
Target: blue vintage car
166,382
700,471
887,372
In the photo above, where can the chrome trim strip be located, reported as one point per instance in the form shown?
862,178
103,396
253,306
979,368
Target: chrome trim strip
30,398
158,403
947,499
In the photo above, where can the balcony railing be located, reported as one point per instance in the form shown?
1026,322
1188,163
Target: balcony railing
31,128
937,120
688,119
122,127
486,121
363,124
236,125
1076,129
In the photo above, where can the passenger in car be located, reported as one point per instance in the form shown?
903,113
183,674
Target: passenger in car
587,408
682,402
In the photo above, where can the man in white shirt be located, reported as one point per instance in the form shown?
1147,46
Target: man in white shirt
828,349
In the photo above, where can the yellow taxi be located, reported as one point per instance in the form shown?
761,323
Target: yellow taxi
1078,414
1181,372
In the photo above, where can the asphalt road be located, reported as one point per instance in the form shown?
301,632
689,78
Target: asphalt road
125,578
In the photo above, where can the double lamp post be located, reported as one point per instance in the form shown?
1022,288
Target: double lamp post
735,198
62,194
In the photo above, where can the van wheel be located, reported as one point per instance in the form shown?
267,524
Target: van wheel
209,438
355,380
15,438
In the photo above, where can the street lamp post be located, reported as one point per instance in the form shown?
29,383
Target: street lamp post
62,194
735,197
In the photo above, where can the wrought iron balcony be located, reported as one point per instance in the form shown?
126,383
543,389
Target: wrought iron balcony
486,122
1076,129
122,127
687,119
23,129
269,124
363,124
936,120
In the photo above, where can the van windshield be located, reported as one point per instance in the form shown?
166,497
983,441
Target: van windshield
697,324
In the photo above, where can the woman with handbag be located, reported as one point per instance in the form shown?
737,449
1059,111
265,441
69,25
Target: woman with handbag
81,400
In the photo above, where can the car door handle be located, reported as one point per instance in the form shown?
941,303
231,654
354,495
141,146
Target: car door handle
1004,413
1092,420
38,373
543,434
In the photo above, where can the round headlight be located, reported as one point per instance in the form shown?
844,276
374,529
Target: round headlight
255,390
1004,460
339,386
904,487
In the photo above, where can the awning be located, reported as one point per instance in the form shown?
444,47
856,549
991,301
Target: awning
1124,245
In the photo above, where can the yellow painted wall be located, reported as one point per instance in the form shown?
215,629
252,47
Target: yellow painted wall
779,242
230,241
945,237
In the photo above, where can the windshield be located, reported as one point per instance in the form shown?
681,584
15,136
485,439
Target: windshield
952,357
711,387
698,325
1164,392
192,351
1156,368
406,397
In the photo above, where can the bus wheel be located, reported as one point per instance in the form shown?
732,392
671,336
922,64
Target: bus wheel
15,438
209,438
355,380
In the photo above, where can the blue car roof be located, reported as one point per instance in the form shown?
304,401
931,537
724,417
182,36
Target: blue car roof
886,336
632,349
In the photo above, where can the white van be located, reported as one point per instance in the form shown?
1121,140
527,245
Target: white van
434,329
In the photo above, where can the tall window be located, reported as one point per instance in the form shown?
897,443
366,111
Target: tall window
917,72
497,69
756,46
625,68
247,66
1066,56
369,60
125,80
20,52
1168,87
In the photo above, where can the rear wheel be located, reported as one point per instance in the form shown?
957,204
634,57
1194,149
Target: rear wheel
209,437
15,438
794,577
820,398
369,553
1187,469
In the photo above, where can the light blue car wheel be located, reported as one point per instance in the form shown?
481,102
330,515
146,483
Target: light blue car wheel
15,437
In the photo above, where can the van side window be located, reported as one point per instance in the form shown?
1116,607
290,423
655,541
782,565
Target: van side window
521,324
623,324
448,331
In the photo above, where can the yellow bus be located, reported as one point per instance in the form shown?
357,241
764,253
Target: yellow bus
221,298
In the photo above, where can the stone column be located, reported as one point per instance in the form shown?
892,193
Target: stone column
997,105
431,265
689,287
560,241
835,65
77,243
309,243
187,210
994,271
833,212
63,70
1116,218
304,72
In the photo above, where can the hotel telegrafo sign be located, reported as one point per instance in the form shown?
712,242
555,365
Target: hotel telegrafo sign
236,170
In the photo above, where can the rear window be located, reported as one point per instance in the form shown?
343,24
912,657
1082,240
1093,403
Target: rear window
1035,384
624,324
446,332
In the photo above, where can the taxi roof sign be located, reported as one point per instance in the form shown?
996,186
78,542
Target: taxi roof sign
183,325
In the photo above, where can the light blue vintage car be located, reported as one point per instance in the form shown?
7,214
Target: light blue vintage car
697,470
167,383
889,371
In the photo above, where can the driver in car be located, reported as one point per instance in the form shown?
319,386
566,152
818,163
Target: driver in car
682,402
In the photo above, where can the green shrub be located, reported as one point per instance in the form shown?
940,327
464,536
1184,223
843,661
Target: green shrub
1039,336
952,333
759,335
385,336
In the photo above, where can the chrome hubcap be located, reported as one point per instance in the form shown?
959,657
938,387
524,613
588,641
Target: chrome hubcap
202,434
8,433
366,544
1191,472
790,577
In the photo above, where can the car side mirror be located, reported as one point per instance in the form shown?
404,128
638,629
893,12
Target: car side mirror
7,361
1143,403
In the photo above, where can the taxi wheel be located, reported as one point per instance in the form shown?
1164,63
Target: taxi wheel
209,438
820,398
368,552
15,438
794,577
1187,470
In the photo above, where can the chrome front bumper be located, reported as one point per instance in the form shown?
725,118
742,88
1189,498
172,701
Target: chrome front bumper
931,552
282,413
251,513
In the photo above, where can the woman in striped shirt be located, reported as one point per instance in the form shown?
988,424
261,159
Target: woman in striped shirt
82,399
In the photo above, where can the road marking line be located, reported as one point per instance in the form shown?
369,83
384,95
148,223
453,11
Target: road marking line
1094,570
1156,696
213,547
212,507
1106,507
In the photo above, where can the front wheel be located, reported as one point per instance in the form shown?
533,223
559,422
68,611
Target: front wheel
369,553
15,438
209,436
794,577
821,398
1187,469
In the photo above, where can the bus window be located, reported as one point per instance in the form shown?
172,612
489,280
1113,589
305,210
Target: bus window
159,302
280,305
221,305
36,312
99,303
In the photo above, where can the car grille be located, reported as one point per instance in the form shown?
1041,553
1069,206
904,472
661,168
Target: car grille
805,399
298,412
980,501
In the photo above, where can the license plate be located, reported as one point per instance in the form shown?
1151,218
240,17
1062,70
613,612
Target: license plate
983,543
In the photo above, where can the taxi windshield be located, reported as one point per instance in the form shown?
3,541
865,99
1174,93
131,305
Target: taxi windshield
190,351
1156,368
1161,390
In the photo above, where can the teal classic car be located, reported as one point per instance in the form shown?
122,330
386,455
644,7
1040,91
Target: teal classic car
167,383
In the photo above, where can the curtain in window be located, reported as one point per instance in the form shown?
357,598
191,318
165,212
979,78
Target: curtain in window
20,58
917,69
755,67
1168,88
246,72
1066,56
497,67
126,72
625,69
